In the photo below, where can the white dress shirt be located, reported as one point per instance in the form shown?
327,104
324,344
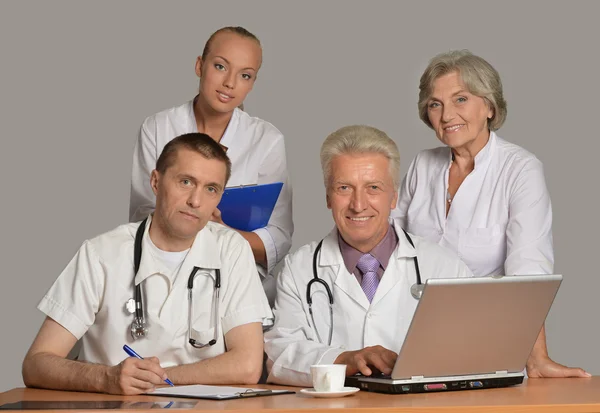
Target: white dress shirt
257,153
500,220
292,346
89,297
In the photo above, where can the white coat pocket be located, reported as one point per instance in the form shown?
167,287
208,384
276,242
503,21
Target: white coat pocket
483,249
204,337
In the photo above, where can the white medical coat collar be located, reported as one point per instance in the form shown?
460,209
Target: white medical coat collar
332,256
203,254
228,135
482,159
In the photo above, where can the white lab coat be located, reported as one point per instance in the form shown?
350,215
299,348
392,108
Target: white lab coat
500,221
257,153
89,297
292,345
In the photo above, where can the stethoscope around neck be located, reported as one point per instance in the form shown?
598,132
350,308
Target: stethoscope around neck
416,290
139,326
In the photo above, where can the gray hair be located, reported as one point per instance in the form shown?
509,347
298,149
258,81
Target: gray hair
359,139
480,78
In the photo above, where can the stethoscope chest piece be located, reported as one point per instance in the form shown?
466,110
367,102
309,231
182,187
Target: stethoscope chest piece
416,290
139,328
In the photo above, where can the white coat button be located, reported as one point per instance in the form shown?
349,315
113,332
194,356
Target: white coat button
369,316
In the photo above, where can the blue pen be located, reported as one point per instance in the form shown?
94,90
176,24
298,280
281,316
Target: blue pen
132,353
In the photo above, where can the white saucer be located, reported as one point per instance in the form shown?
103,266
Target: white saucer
345,391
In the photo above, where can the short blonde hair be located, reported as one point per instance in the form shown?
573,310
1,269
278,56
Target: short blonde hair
359,139
240,31
480,78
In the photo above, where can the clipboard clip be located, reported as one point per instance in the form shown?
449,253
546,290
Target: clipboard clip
251,393
241,186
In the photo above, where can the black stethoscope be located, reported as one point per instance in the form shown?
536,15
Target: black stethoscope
139,326
416,290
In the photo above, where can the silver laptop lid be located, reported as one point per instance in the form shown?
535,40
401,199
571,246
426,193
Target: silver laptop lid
480,325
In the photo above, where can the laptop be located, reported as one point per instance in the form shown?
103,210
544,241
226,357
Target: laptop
469,333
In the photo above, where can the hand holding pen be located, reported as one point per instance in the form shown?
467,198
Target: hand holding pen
132,353
135,375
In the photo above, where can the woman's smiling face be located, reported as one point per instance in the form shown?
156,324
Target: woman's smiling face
228,71
459,118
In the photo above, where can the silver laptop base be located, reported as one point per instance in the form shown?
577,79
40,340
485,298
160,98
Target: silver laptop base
428,385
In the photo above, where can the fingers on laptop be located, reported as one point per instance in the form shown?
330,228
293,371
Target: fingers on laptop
367,360
382,359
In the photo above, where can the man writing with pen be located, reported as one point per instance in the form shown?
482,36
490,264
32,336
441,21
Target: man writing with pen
191,304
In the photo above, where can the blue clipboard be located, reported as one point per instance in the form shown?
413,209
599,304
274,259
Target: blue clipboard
249,207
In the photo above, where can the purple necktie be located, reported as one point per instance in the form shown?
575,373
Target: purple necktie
369,265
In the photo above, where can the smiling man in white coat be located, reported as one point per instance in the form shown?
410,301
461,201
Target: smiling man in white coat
365,266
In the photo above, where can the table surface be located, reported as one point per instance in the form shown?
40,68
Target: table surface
534,395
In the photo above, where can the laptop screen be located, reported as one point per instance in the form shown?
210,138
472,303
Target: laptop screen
466,326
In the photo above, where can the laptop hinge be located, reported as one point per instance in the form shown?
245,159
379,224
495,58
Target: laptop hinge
502,373
416,377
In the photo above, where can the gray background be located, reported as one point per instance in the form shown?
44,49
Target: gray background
78,78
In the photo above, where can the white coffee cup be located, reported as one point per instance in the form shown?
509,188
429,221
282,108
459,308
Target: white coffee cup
328,377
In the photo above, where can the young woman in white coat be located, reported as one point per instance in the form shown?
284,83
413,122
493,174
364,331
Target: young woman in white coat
479,195
227,69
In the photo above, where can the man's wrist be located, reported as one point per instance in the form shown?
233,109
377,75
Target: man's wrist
104,384
340,358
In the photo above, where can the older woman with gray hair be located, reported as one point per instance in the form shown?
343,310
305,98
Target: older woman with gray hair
479,195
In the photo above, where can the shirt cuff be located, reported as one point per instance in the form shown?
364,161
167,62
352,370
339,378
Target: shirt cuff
62,316
270,249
